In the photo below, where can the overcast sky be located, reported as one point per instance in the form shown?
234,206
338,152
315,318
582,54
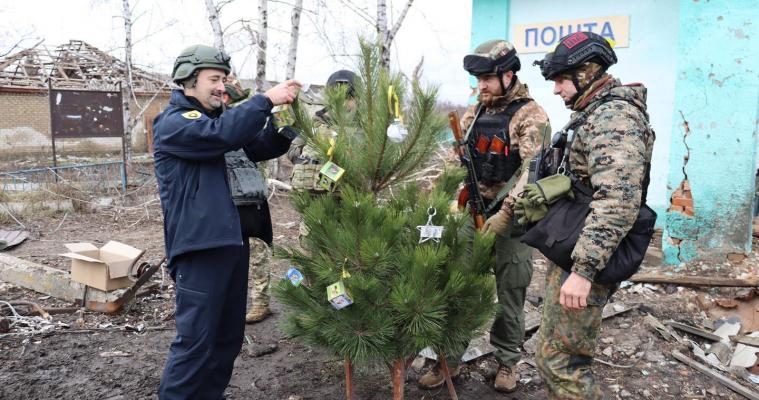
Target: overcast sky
438,30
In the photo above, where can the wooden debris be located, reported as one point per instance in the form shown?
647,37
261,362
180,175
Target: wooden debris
687,280
747,340
667,333
729,383
694,331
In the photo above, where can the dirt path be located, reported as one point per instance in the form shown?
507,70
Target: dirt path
67,365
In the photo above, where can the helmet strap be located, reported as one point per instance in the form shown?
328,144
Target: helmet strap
581,91
191,81
506,89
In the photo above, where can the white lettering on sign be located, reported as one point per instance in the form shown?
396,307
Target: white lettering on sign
543,37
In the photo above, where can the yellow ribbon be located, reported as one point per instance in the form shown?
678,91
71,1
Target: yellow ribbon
345,274
394,105
331,150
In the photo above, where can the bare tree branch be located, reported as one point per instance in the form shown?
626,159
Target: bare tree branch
18,45
398,22
358,11
213,18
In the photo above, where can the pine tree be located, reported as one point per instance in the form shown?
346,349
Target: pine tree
406,295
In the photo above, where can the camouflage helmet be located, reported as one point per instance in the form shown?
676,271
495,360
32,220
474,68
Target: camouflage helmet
492,57
233,92
573,51
198,57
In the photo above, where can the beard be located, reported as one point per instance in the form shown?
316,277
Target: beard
215,99
485,99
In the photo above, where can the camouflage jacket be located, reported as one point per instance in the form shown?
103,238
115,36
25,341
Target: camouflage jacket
612,145
525,134
299,147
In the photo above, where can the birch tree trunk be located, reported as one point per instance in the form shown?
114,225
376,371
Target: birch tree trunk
294,34
385,36
382,32
262,38
127,83
213,18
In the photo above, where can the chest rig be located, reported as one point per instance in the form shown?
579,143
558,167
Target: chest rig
490,146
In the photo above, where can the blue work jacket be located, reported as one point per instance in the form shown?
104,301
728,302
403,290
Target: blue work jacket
189,145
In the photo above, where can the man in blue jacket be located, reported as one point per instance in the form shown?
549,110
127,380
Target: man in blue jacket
207,257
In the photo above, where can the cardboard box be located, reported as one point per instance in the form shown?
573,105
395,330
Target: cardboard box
106,268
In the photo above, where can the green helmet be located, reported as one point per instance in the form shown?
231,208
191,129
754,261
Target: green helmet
198,57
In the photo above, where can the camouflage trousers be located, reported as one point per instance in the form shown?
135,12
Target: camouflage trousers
258,273
567,340
513,272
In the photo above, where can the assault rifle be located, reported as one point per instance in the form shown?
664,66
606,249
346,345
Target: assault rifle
470,193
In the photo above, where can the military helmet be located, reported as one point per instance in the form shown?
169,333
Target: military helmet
574,50
492,57
234,93
198,57
342,76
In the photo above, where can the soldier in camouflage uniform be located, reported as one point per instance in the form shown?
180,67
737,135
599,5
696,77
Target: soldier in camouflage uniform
610,153
305,159
249,192
505,136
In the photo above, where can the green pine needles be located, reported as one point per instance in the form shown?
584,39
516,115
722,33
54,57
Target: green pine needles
406,295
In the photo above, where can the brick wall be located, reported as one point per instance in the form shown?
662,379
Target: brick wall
682,199
25,127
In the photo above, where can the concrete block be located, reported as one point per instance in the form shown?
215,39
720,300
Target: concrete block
49,281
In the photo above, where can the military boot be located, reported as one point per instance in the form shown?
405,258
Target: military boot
257,313
506,379
435,377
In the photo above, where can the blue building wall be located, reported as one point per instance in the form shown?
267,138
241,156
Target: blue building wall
650,59
717,94
698,57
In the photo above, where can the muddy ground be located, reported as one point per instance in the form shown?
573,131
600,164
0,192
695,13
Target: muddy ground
79,361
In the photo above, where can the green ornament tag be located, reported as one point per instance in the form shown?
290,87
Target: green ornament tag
329,175
337,296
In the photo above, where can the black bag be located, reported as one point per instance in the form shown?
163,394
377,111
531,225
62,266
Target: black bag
557,233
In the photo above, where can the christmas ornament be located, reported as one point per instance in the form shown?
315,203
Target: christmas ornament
337,296
396,131
429,231
294,276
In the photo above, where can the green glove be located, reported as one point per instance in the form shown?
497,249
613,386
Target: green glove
519,210
536,213
555,187
532,195
548,189
528,213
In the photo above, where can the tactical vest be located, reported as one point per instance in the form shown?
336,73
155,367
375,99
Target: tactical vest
246,183
490,145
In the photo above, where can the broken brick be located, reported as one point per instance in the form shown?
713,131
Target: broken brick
684,202
736,257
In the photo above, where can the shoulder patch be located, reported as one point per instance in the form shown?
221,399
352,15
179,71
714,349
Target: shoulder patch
194,114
